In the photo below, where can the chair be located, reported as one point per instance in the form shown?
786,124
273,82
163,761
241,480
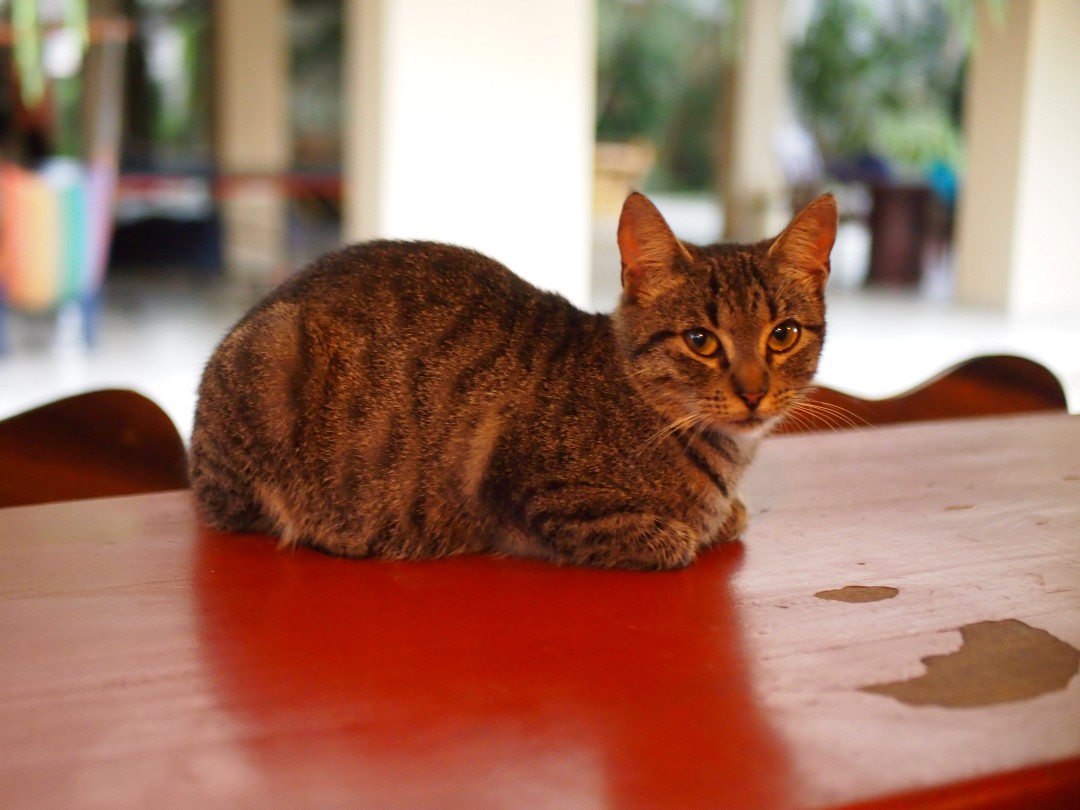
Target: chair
983,386
92,445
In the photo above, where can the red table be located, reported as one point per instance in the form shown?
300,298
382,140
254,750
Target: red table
147,662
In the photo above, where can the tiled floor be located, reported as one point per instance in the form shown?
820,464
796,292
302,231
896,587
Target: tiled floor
158,329
156,337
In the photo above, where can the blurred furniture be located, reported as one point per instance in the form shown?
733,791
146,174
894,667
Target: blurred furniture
92,445
56,212
983,386
151,662
618,169
898,233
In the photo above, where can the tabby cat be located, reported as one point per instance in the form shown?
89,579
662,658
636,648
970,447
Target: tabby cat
408,400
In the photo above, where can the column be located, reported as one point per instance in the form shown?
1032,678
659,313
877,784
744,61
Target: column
251,53
754,191
472,122
1018,240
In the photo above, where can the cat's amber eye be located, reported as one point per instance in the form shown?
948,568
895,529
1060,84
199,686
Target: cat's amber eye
702,342
784,336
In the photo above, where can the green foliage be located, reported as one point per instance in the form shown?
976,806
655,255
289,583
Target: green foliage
27,24
316,36
659,78
883,79
167,117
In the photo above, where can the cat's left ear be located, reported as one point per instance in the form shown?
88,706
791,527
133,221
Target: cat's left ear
807,242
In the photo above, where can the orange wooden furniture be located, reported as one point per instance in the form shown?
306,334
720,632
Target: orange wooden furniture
995,384
112,442
149,662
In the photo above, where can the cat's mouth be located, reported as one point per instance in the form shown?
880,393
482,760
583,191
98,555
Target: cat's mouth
752,423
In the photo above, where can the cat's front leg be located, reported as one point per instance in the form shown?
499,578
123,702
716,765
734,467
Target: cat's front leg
598,533
643,542
734,524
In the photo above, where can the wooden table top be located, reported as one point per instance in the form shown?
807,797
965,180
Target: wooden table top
900,626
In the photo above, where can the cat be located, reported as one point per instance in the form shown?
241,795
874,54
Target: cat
408,400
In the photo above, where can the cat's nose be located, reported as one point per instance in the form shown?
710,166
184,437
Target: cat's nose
752,398
750,382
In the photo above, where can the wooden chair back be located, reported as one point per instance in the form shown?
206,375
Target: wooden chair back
92,445
118,442
983,386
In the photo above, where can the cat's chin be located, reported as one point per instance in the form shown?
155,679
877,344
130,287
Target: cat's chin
750,427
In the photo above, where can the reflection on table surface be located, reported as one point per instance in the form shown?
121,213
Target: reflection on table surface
148,661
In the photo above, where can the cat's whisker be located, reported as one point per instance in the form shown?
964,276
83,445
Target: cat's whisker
808,422
849,416
808,392
815,414
840,410
682,423
834,416
792,416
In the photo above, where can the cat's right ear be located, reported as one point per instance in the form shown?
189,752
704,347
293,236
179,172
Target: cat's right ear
648,248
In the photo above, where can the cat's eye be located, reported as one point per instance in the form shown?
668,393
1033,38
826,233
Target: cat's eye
784,336
702,342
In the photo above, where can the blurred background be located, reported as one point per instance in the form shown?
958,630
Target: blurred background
163,163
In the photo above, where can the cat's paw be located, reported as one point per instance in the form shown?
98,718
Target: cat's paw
651,544
734,525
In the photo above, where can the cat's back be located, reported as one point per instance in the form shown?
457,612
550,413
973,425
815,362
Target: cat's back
382,280
391,305
390,319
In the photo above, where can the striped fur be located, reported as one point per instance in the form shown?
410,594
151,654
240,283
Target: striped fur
413,400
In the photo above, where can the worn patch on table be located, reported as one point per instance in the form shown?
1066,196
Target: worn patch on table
998,662
859,593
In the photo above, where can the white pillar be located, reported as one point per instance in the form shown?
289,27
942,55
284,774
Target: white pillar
1018,230
756,202
252,136
471,122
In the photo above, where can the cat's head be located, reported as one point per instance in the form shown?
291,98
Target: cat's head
725,337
